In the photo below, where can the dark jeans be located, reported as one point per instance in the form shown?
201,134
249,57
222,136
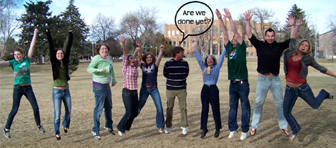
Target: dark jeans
210,94
131,103
304,91
239,90
103,100
18,92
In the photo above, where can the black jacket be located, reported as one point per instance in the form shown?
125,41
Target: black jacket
55,64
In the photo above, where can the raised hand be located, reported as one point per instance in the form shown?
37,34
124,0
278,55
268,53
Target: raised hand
161,47
137,49
122,39
248,15
290,20
35,31
137,43
219,15
298,22
227,13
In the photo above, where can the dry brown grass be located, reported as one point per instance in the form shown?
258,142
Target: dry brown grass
317,126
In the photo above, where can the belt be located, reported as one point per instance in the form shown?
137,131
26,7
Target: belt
241,81
149,86
208,85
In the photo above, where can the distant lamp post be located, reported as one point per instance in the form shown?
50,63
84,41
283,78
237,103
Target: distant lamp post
92,49
156,51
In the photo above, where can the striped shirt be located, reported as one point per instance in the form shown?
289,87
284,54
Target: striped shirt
130,74
176,73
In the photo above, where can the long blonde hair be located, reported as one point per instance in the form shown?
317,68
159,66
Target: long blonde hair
298,47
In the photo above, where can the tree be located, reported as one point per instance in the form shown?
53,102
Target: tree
37,15
305,31
159,40
140,24
259,19
332,26
72,20
8,22
103,28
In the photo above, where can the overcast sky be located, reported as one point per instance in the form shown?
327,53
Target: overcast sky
317,11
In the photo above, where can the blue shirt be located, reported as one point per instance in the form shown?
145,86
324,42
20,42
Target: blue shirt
149,74
212,78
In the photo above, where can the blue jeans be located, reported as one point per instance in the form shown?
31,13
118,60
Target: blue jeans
131,103
103,99
239,91
263,85
154,92
18,92
305,92
58,96
210,95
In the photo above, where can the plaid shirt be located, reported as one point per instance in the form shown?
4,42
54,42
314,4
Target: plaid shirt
130,74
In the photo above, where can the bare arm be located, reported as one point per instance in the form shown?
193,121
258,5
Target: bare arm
158,60
248,17
225,34
32,44
137,49
330,73
233,26
140,52
122,39
4,63
294,28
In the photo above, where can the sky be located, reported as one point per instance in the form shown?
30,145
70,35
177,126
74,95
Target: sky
318,12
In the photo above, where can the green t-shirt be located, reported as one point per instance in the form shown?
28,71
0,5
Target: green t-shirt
236,61
21,71
62,78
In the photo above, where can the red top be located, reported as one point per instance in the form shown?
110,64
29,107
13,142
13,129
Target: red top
294,68
130,74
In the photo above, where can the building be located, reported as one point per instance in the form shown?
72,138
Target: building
327,44
212,40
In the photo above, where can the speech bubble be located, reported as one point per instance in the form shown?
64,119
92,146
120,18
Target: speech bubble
193,14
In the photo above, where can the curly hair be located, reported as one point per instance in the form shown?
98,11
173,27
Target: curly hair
213,58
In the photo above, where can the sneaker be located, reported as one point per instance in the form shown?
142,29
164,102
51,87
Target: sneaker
95,135
110,130
6,133
243,136
231,134
167,130
120,133
41,129
184,130
160,130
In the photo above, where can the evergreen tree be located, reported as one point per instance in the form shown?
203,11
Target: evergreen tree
37,16
305,31
71,19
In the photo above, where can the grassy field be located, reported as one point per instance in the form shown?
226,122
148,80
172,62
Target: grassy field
317,126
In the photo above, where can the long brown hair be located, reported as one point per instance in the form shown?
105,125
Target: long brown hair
299,44
144,58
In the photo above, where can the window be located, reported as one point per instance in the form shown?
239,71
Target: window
247,54
173,33
174,43
215,31
184,43
251,54
168,33
177,33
